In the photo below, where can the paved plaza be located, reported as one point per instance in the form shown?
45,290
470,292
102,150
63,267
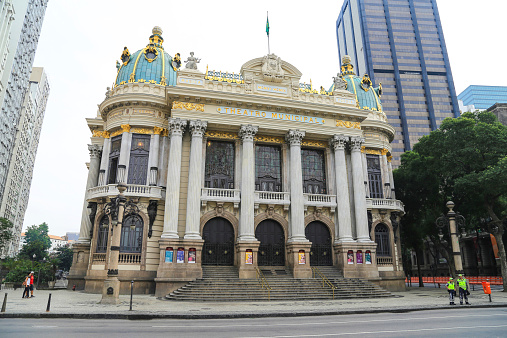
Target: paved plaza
76,304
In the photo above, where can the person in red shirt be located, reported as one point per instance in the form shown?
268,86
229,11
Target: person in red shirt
31,283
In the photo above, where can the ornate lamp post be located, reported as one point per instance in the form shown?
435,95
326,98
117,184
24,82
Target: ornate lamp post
117,209
450,220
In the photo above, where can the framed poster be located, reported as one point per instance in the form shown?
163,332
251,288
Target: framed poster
191,255
180,255
249,256
302,257
359,257
169,255
350,257
367,257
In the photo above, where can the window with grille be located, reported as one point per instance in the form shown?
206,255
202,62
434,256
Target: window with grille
114,156
138,163
314,172
219,168
382,240
268,168
132,234
102,234
374,176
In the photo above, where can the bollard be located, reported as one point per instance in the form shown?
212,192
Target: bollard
74,287
131,292
4,303
49,303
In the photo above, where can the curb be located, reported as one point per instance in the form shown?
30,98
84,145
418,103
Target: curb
149,316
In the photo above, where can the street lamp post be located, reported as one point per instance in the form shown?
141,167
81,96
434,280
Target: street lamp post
116,209
38,274
450,220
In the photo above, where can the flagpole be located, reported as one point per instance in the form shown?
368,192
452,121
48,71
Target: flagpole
267,29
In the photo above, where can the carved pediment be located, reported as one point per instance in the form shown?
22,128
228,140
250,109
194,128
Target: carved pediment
270,69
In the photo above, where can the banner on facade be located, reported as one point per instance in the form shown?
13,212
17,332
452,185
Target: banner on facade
180,255
249,256
302,257
191,255
169,255
350,257
367,257
359,257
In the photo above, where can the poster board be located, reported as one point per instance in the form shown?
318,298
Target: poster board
169,253
191,255
368,257
350,257
359,257
248,256
302,257
180,255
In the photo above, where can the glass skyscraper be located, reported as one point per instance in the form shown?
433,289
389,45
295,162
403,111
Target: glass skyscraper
483,97
400,43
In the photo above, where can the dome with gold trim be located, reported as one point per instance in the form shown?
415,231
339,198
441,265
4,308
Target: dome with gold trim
367,96
150,64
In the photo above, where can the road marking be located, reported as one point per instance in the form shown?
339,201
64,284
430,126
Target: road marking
389,331
326,323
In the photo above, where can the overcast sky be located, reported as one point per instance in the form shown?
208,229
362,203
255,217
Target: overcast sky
81,41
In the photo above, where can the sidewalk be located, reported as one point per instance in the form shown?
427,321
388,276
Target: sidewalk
76,304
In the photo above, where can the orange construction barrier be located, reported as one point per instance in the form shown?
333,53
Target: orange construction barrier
493,280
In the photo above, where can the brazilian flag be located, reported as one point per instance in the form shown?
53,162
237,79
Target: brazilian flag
267,25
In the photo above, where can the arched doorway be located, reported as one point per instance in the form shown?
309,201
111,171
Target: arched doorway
218,249
272,247
382,240
320,252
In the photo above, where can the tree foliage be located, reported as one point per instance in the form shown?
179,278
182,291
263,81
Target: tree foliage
6,233
37,242
464,160
64,257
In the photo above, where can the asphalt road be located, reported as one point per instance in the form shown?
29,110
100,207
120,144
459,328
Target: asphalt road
462,322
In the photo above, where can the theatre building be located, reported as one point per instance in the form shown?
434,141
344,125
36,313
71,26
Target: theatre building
248,169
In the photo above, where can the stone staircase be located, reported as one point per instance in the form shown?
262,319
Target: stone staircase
223,284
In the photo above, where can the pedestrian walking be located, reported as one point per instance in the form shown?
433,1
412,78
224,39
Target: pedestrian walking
31,283
451,288
26,284
463,289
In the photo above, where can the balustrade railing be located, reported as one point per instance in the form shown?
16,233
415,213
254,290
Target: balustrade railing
384,261
384,203
319,200
99,257
132,190
129,258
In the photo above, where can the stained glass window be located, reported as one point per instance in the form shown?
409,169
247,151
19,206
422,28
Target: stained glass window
314,171
268,168
102,234
374,176
138,163
219,169
382,240
132,234
114,156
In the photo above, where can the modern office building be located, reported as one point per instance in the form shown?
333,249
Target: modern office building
18,74
400,44
483,97
249,170
26,142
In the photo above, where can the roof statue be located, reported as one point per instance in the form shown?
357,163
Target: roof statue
191,62
272,68
339,83
176,62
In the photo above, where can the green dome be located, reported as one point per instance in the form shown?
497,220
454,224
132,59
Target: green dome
367,97
150,64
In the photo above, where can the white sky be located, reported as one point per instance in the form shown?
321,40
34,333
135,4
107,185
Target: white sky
81,41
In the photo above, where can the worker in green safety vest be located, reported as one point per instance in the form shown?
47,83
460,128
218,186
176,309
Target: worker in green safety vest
451,288
463,289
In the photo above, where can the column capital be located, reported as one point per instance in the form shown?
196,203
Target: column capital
95,150
177,126
356,142
198,128
294,137
125,128
247,132
157,130
338,142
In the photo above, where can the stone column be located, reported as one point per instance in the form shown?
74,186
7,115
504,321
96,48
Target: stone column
172,197
390,169
93,175
197,128
361,212
246,222
344,225
104,162
297,215
385,174
154,149
124,154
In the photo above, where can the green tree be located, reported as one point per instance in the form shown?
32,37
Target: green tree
467,161
37,242
64,257
5,232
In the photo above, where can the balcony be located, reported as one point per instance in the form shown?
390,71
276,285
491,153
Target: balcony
320,201
133,190
272,197
384,261
220,195
383,203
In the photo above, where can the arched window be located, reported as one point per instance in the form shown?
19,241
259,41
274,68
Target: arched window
138,163
314,171
219,168
132,234
102,234
382,240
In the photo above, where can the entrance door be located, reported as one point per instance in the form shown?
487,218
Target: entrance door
272,247
218,249
320,252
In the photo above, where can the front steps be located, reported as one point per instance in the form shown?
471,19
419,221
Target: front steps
223,284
